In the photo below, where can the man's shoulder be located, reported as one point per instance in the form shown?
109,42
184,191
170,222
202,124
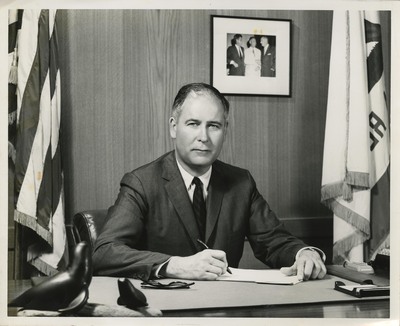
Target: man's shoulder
233,178
230,170
153,168
157,162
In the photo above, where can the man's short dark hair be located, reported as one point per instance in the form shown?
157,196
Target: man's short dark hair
198,88
236,37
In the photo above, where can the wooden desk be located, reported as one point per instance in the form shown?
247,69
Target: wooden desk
365,309
296,301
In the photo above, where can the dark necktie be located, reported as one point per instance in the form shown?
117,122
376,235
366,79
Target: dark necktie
199,206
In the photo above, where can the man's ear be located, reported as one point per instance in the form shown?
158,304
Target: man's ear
172,127
226,129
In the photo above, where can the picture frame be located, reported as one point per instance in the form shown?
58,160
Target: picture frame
264,66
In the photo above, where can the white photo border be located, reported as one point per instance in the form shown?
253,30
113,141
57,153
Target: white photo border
279,85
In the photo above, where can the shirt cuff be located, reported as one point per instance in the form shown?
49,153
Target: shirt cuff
321,253
159,267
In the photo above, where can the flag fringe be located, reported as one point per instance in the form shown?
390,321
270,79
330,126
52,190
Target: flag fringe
43,267
331,191
351,217
30,222
342,247
347,192
13,74
383,244
12,117
358,179
11,152
354,181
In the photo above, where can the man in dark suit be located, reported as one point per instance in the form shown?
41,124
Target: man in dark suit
235,57
153,230
268,58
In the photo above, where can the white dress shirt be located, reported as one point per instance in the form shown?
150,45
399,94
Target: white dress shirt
188,179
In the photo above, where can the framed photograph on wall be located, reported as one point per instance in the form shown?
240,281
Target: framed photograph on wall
250,56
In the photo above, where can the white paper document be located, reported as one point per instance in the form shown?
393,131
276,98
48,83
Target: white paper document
270,276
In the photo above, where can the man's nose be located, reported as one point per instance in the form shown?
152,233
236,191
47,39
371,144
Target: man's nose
203,134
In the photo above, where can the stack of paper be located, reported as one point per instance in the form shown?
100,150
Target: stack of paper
270,276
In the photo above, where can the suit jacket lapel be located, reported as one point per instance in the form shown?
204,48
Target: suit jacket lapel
179,197
214,200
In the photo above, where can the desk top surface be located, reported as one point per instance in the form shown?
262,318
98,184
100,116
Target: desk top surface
223,294
240,299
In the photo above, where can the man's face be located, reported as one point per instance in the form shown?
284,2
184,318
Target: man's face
199,132
264,41
239,41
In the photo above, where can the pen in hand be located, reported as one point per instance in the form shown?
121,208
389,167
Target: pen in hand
206,247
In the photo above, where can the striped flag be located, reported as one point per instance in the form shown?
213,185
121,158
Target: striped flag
13,30
355,178
38,173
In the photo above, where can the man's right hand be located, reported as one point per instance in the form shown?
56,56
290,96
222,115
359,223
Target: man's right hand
205,265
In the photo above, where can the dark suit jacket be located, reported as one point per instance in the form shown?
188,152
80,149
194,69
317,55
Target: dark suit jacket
268,62
232,54
152,219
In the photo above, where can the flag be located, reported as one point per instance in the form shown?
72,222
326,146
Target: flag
355,177
13,29
38,173
14,19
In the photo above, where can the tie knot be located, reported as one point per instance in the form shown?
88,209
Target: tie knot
197,182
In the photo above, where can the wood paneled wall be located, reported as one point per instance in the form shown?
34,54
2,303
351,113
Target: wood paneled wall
121,70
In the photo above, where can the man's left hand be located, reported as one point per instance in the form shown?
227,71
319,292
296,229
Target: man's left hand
308,265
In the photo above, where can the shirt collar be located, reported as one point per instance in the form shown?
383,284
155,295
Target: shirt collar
188,178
